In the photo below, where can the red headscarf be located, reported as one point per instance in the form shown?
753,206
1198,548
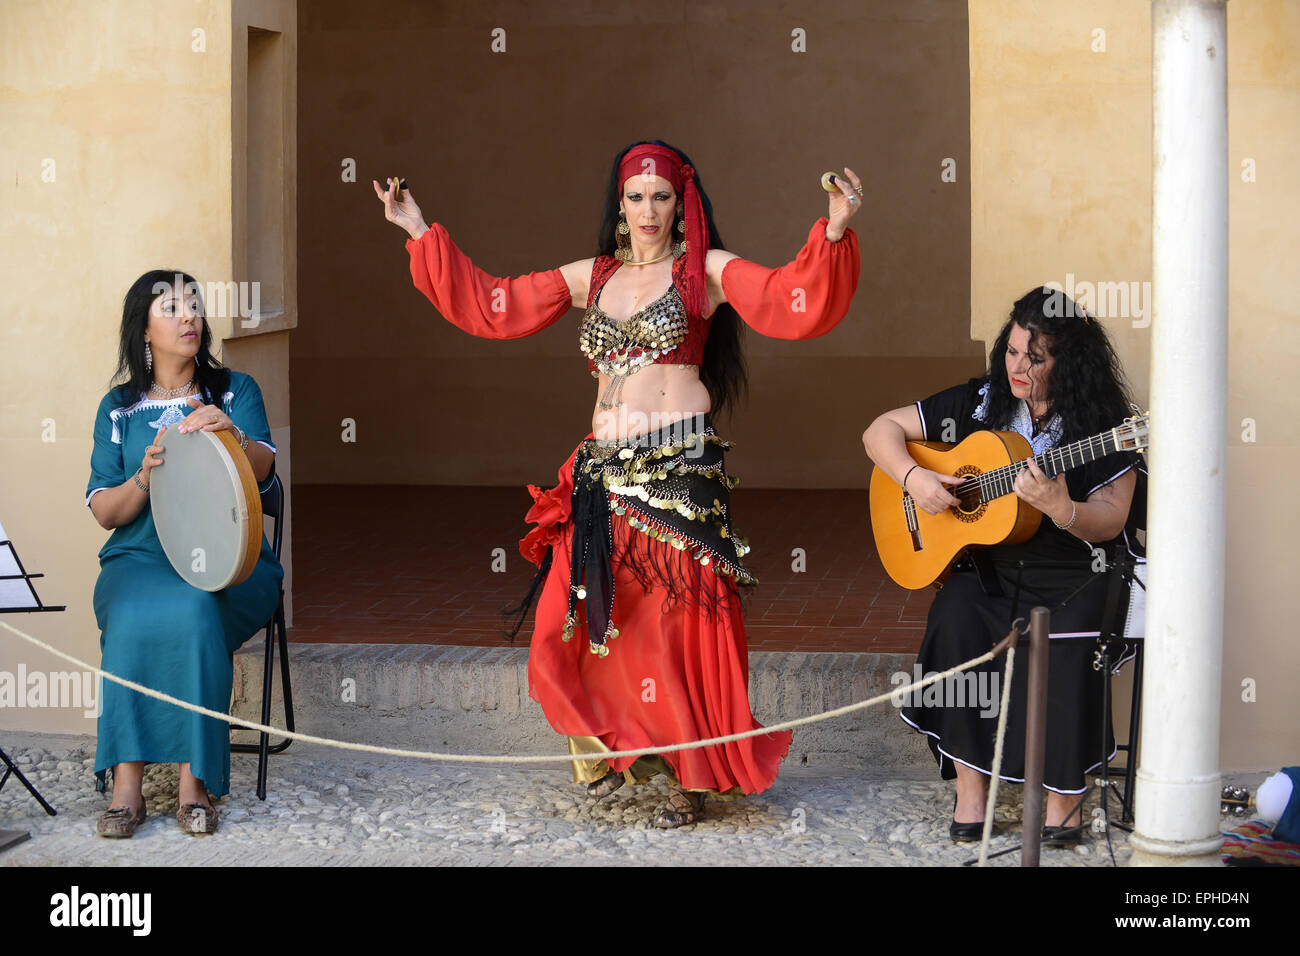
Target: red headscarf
652,161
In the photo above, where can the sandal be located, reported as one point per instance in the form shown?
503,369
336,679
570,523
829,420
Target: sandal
197,818
605,785
119,821
682,809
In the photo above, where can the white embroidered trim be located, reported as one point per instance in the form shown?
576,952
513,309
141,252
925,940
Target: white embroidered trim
145,402
126,411
1023,424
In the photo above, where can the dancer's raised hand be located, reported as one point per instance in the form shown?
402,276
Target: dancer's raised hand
844,203
404,212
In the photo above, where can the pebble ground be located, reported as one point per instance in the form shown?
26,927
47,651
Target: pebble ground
329,808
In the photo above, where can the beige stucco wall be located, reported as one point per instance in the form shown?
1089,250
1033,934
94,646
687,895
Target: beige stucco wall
1061,183
142,133
138,127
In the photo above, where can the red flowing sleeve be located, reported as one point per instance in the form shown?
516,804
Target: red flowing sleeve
482,304
803,299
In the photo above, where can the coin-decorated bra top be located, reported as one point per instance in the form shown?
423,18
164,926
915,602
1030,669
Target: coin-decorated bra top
620,348
660,332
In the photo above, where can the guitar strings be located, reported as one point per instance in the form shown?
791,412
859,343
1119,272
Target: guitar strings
1007,474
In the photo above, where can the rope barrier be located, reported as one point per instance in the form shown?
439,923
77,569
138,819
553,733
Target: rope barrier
997,750
1002,645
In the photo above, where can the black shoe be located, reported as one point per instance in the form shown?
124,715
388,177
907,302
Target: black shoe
1062,836
966,832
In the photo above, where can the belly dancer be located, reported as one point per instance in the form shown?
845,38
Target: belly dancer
639,639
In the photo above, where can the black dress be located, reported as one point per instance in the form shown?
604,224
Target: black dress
959,716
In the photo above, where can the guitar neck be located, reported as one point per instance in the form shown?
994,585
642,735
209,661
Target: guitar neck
1053,462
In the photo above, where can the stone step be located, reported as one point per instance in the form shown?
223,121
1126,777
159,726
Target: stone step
475,700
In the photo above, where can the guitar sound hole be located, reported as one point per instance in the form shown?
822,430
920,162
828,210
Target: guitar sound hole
970,506
969,501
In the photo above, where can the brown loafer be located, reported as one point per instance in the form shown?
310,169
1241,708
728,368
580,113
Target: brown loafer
119,822
197,818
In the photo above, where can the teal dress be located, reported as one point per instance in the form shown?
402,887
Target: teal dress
155,628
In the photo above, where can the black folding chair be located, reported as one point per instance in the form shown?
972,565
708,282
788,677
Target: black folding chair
1128,573
1123,570
1125,576
272,507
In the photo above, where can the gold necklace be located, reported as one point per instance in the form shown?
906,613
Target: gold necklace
649,262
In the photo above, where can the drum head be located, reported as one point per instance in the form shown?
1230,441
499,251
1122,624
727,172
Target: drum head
206,508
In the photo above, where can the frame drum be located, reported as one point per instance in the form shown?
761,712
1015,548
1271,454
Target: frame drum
206,508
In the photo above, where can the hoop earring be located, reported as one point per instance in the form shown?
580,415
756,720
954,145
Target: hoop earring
148,358
623,238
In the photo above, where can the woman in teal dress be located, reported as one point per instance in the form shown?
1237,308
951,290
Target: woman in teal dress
157,629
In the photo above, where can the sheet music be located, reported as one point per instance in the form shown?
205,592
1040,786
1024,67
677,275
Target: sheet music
18,593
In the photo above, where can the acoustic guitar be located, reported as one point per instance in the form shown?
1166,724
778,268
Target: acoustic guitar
917,549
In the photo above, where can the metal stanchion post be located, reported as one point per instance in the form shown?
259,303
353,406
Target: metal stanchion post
1035,737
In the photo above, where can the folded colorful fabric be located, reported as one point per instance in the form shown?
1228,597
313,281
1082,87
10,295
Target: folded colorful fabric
1253,844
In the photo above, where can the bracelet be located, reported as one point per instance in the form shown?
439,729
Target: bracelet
243,438
909,472
1074,513
138,483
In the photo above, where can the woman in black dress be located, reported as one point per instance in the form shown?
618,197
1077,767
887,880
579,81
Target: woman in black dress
1054,378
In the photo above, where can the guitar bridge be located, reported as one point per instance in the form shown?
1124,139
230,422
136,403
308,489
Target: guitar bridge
913,528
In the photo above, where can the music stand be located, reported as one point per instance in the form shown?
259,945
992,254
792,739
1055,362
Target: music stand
18,595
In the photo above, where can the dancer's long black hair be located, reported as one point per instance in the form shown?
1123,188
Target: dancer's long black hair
212,378
722,370
1087,384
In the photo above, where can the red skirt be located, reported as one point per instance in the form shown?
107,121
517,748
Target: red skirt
670,677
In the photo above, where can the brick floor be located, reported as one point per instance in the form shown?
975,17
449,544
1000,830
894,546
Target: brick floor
406,564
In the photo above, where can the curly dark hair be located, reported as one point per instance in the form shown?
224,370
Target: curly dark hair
1087,386
722,370
212,378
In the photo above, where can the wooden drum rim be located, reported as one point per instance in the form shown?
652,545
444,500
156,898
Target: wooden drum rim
251,542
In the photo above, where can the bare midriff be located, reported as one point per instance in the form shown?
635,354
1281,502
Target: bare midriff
652,397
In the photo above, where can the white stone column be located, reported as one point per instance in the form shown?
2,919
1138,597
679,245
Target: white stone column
1178,774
